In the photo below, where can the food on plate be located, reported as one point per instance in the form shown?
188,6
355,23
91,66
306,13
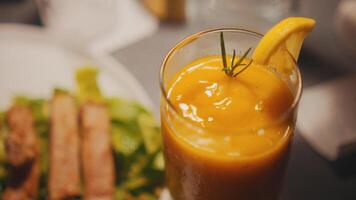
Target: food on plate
89,146
21,142
22,153
97,152
64,163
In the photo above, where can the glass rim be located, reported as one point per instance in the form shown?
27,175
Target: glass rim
197,35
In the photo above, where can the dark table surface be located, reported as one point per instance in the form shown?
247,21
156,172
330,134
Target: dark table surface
309,176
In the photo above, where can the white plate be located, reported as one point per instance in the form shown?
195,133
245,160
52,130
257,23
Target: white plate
32,63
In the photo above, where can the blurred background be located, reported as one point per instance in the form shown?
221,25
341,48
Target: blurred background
139,33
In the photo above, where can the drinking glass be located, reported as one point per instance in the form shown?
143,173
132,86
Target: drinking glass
195,174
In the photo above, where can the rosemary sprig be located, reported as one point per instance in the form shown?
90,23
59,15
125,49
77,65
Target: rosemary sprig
230,70
223,52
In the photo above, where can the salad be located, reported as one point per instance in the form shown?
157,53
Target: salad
134,135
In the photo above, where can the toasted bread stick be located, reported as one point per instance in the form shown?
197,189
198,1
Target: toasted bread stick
23,153
97,156
64,172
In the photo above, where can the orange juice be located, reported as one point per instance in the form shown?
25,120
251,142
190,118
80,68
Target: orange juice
226,137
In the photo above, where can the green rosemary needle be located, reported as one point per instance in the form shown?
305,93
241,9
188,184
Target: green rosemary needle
230,70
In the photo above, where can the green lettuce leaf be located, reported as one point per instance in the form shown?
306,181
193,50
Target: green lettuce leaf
150,132
124,140
158,162
122,110
87,87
